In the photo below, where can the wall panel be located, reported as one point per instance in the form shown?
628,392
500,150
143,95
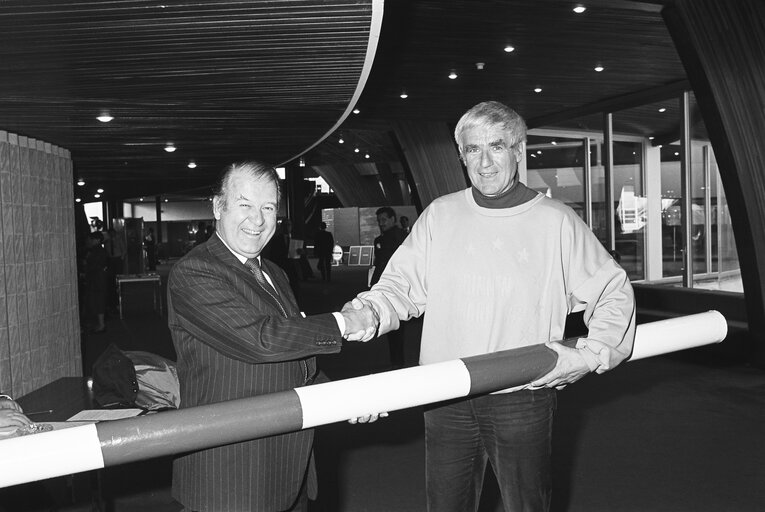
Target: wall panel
39,316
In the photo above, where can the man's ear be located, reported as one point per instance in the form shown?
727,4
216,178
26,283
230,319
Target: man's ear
519,152
216,207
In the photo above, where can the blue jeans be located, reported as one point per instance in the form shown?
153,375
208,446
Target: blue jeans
511,431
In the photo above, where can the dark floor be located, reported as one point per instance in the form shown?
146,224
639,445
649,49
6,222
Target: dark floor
674,433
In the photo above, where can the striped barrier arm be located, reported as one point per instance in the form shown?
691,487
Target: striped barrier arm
94,446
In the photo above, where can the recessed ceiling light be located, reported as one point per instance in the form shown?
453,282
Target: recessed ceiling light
355,150
105,117
192,164
538,90
81,182
509,48
341,140
301,162
453,75
539,151
78,200
554,143
579,9
599,68
479,66
650,138
356,111
96,195
366,155
662,109
100,191
170,147
403,95
677,154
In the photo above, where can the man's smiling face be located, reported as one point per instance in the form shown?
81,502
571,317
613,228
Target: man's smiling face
246,220
491,161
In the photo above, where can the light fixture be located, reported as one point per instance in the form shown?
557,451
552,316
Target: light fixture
100,191
662,109
78,200
509,48
301,162
403,95
356,111
192,164
96,195
105,117
355,150
650,138
579,9
538,90
453,75
81,182
141,199
479,66
366,155
341,140
539,151
170,147
599,68
554,143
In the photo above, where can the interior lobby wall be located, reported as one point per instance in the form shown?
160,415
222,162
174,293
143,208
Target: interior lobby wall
39,313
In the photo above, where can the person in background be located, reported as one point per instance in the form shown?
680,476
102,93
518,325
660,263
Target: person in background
498,266
150,243
238,333
404,221
386,244
323,246
116,249
96,286
11,413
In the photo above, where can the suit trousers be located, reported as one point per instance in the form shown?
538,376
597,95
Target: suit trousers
511,431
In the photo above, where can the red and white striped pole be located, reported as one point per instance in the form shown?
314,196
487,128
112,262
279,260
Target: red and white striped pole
94,446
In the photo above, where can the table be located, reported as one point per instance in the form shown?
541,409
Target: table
141,278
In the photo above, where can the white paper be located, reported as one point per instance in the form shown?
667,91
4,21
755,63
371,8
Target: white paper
105,414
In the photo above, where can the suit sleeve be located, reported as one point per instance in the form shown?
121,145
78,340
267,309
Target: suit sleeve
217,307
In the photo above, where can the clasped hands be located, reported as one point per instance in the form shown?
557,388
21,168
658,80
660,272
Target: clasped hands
361,320
11,414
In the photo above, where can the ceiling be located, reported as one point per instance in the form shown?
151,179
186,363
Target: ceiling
226,80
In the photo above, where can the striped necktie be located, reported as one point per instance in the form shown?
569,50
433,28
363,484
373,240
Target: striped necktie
254,265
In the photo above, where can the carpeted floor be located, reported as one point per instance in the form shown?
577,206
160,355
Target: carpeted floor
678,433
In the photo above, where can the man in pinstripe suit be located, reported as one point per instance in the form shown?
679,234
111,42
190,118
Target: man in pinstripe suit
238,332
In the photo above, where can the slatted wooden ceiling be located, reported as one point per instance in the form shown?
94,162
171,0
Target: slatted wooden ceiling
222,79
227,79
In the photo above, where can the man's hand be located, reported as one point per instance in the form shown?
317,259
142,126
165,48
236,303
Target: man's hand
361,320
371,418
6,403
13,418
569,368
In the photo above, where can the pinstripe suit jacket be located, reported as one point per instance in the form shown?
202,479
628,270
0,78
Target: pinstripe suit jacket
232,342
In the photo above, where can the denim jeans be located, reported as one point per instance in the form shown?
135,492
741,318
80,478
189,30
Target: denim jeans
511,431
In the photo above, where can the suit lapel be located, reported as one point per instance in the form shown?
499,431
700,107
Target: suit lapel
218,249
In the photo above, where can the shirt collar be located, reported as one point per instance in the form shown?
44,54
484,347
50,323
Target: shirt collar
241,258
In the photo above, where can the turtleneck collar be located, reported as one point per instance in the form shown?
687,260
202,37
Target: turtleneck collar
516,195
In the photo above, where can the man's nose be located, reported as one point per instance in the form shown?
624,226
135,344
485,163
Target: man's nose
257,217
486,159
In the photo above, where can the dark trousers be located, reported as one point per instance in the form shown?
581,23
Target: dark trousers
325,266
511,431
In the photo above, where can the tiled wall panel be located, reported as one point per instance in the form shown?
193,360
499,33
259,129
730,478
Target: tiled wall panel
39,320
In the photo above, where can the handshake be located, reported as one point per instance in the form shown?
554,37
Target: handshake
361,320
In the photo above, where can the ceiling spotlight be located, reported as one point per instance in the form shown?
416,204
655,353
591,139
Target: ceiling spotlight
662,109
141,199
579,9
599,68
554,143
166,199
81,182
78,200
366,155
341,140
301,162
356,111
479,66
96,195
650,138
509,48
403,95
355,150
170,147
105,117
453,75
192,164
100,191
538,90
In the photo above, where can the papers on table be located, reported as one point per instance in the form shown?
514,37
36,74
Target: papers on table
105,414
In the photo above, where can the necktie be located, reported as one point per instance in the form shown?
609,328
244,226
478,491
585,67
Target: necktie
254,265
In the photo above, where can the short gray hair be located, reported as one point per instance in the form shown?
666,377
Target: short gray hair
256,170
492,113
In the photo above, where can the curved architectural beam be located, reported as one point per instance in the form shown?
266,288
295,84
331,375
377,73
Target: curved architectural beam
722,45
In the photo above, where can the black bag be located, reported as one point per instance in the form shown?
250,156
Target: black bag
114,379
